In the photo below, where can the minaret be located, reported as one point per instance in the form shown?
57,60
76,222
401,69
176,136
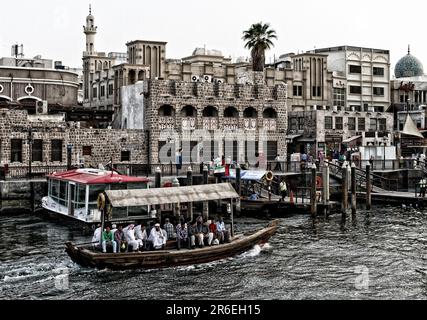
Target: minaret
90,32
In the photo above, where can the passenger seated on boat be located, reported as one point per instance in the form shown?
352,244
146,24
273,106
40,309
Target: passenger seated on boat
107,239
182,237
130,237
222,232
158,237
96,239
141,236
254,196
192,235
207,235
213,229
121,243
114,229
170,229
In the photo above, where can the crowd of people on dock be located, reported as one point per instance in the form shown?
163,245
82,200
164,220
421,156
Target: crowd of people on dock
140,237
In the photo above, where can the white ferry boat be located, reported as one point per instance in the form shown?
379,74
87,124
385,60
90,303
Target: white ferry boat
74,194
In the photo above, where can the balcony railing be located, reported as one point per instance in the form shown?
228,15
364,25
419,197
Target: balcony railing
210,123
189,124
250,124
270,124
231,123
166,123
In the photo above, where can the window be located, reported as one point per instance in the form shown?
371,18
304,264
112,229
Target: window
355,90
419,126
56,151
317,92
271,150
297,91
338,123
95,93
352,124
328,123
125,156
293,123
355,69
102,91
37,151
110,90
378,91
339,97
87,151
382,125
379,109
16,150
301,123
373,125
378,71
361,124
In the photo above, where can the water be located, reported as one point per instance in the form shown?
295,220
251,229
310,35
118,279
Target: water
382,256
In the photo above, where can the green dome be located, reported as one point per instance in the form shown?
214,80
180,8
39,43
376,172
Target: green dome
409,66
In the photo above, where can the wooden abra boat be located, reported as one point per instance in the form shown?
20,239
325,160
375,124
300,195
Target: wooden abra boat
86,257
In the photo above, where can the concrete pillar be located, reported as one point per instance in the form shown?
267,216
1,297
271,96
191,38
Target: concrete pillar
158,178
368,187
177,206
190,183
313,192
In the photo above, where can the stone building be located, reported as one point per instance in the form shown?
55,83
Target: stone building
51,136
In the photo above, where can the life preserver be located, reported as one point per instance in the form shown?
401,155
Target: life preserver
101,201
319,182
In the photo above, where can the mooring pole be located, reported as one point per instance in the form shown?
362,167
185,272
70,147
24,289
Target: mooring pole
326,190
344,191
368,187
353,190
189,184
313,191
176,206
158,185
238,188
205,204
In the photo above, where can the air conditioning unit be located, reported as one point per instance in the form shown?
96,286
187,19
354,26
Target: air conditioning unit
335,108
41,107
219,81
207,78
195,79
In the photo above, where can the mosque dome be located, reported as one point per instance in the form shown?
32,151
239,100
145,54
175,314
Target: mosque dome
409,66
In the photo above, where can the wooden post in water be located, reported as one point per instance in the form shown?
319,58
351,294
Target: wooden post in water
344,191
353,190
158,185
205,204
368,187
189,184
313,193
238,187
326,190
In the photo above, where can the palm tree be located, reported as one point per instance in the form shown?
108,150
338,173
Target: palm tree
259,38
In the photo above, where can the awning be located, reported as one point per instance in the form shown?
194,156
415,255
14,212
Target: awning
144,197
410,128
293,137
249,175
307,140
352,139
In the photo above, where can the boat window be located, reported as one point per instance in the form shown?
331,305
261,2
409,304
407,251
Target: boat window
80,197
63,193
94,192
118,186
120,213
55,190
134,186
137,211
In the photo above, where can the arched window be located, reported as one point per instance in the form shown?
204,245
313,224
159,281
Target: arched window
250,113
231,112
210,112
269,113
132,77
166,111
141,75
189,112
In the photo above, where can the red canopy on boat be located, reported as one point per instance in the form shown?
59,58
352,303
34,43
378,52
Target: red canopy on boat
95,176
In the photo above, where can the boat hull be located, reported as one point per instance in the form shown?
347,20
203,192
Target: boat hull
173,258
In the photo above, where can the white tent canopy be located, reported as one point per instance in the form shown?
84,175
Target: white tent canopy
410,128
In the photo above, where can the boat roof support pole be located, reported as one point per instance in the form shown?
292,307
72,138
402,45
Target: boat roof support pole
232,218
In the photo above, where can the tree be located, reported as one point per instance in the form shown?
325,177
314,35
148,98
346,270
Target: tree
259,38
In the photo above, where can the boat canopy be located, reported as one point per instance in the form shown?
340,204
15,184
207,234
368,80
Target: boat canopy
151,197
95,176
249,175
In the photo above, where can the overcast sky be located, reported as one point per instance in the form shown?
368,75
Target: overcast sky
54,28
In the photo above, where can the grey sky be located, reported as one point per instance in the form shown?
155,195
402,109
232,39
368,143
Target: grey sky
55,28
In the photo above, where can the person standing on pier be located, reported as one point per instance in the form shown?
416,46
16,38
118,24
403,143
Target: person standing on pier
283,189
423,187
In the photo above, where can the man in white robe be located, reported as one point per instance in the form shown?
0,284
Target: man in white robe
158,238
141,236
96,239
130,237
